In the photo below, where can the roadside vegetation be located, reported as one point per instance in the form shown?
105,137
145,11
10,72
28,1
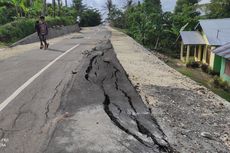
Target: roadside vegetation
159,31
17,17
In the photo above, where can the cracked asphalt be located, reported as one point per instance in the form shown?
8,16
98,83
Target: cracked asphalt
102,94
83,103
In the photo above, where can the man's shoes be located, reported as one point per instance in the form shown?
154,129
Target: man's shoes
47,45
41,47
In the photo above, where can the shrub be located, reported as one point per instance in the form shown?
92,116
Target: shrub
212,72
204,68
219,83
216,81
193,64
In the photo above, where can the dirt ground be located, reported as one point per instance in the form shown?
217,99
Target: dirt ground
194,119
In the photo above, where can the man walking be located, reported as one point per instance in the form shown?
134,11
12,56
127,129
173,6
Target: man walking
37,28
43,32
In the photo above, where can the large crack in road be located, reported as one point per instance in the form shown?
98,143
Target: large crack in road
103,81
129,114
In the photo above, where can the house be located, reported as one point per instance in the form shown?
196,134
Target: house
224,53
191,40
208,35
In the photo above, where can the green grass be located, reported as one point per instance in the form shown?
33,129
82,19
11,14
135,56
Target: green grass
199,76
2,45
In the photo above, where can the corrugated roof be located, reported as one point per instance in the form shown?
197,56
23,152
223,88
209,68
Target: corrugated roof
223,51
216,30
192,38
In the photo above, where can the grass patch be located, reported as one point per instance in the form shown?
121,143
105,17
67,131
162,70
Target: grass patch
3,45
198,76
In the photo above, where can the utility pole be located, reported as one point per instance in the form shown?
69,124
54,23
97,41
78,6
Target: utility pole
59,7
54,8
44,8
66,3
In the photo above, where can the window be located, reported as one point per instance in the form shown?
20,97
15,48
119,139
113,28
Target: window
227,67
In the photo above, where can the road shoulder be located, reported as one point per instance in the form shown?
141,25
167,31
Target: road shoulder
193,118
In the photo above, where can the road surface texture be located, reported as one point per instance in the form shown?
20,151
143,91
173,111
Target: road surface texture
194,119
76,97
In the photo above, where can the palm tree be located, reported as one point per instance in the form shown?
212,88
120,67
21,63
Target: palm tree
19,5
128,4
15,3
109,5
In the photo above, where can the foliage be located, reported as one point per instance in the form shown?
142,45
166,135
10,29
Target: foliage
78,6
180,4
193,64
17,17
205,68
219,83
6,15
188,16
219,9
150,26
116,17
90,17
144,22
109,5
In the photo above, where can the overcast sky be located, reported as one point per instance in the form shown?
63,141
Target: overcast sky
167,5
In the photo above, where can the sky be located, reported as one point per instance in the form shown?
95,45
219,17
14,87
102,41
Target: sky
167,5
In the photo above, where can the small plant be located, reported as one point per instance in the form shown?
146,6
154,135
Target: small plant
204,68
212,72
219,83
216,82
193,65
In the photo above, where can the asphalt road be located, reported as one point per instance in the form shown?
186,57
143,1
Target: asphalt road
72,98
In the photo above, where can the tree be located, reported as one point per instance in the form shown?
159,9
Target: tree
90,17
181,3
109,5
152,6
116,17
219,9
78,5
128,4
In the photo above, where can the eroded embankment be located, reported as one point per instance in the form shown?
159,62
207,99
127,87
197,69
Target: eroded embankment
121,102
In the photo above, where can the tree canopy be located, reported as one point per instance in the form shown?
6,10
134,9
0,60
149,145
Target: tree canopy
219,9
180,4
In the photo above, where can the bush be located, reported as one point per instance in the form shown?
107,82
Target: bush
204,68
216,81
90,17
23,27
193,64
59,21
219,83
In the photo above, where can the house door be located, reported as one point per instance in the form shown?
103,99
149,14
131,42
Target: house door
208,55
227,67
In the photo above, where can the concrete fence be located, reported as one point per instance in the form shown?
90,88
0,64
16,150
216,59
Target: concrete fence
53,32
